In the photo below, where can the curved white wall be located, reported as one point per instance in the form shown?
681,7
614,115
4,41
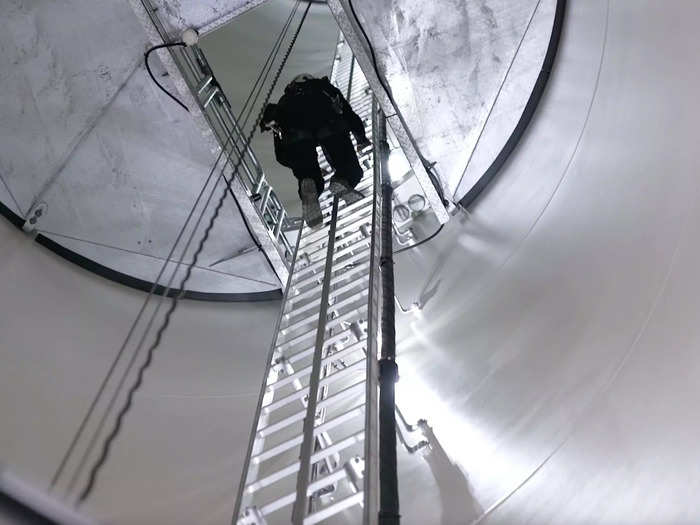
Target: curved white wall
113,161
557,353
179,455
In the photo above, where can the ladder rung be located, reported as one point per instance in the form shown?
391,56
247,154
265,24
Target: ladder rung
345,276
289,498
310,333
274,477
348,260
331,308
364,183
338,232
325,481
204,83
309,256
328,169
315,235
326,360
358,209
296,440
361,244
360,281
278,504
335,508
342,236
310,350
345,220
298,416
320,253
326,198
299,394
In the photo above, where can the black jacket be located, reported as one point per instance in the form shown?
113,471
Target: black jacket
312,110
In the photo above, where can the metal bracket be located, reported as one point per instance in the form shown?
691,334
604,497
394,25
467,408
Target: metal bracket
34,216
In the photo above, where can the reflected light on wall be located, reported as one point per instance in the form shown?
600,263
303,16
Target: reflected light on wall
398,165
490,466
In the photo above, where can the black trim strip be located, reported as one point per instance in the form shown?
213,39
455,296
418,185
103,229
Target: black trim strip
18,512
11,216
134,282
528,112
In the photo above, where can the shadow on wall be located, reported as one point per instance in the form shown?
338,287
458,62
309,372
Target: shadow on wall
456,498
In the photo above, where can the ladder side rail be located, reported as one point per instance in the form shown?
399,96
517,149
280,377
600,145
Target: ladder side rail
303,477
263,389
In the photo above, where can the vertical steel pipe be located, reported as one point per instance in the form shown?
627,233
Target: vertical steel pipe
388,370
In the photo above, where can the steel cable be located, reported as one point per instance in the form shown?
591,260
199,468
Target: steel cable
81,428
132,329
94,471
267,67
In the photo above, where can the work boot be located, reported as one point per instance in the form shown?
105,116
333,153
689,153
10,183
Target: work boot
342,191
310,208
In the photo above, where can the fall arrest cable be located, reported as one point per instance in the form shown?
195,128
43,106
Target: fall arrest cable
167,289
98,464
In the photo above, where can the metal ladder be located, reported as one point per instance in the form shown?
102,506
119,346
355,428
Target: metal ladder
314,446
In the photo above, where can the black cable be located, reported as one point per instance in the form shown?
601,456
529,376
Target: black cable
258,85
176,298
103,385
416,245
269,61
139,346
148,68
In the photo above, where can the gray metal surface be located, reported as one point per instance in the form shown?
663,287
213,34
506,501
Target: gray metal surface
555,353
351,31
453,67
117,164
238,50
60,327
315,420
203,15
556,350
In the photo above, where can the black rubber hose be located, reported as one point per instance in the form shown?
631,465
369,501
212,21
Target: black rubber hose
150,73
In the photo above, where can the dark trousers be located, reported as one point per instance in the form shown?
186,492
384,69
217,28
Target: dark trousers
340,153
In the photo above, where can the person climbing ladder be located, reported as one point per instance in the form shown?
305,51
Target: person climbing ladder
312,112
